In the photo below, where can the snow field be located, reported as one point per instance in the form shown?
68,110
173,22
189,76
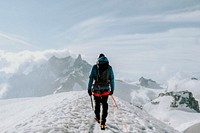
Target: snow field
71,112
135,120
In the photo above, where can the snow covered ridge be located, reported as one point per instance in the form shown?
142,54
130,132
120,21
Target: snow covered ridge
71,112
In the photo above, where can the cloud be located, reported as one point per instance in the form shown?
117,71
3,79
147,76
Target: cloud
3,89
136,55
87,29
182,82
11,42
11,62
180,16
190,16
101,27
154,41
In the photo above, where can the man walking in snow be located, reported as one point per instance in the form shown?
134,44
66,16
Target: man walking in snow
101,85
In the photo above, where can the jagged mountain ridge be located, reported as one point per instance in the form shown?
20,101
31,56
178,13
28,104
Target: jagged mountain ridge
67,74
149,83
55,75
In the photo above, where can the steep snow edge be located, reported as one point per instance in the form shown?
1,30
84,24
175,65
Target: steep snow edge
179,119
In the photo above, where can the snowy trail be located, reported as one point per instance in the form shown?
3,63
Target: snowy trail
71,112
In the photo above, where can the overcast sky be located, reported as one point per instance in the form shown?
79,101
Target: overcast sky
149,38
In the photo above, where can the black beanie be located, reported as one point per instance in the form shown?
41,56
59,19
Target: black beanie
101,55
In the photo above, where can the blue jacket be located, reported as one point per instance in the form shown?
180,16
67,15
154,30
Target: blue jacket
93,74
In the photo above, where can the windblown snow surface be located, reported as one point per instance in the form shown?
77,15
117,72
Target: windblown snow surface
71,112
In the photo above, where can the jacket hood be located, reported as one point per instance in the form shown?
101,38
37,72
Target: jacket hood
103,59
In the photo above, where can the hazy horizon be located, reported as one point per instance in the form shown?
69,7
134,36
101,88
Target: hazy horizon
154,39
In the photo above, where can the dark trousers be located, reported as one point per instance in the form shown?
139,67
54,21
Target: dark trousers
104,101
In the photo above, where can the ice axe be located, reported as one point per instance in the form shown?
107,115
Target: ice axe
91,102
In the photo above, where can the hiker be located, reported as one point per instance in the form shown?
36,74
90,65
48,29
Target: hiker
101,85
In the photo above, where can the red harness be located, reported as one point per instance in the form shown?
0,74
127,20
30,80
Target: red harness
100,93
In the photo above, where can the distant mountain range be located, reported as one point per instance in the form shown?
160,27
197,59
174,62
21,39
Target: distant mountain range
54,76
70,74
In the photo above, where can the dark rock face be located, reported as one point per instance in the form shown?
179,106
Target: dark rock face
183,98
149,83
194,78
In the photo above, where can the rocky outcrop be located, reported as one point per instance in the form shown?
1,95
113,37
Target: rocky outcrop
194,78
183,99
149,83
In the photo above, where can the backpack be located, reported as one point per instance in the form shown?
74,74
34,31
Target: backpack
102,77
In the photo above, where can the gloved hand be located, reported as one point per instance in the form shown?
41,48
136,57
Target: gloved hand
111,92
90,92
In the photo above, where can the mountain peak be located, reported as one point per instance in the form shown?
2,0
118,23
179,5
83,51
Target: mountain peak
53,58
149,83
79,57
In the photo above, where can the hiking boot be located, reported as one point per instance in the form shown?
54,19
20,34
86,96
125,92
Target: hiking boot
103,127
98,120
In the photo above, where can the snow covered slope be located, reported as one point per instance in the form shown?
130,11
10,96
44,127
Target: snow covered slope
180,117
72,112
135,93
